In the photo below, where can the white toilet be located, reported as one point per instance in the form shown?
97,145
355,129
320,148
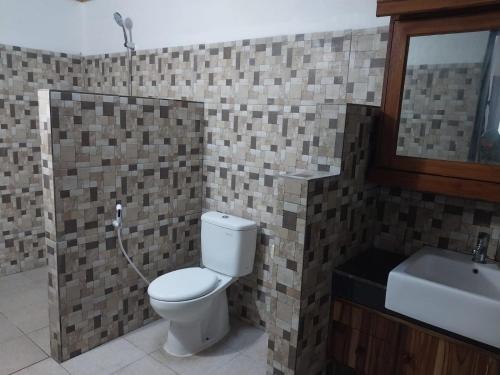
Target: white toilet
194,299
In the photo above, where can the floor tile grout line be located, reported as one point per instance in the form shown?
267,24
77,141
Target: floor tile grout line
22,336
131,363
38,346
144,355
28,366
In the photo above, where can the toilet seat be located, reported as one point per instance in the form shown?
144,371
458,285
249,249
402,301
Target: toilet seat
184,284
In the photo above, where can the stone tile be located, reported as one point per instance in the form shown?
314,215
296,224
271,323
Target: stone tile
17,354
41,337
146,365
38,275
151,337
438,110
45,367
29,318
24,71
242,365
22,297
105,359
208,360
8,330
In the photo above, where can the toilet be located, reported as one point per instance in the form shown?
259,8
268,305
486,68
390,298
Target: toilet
194,299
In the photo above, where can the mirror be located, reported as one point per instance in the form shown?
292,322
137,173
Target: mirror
451,99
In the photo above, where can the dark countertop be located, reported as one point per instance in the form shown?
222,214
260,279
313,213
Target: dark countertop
373,265
363,280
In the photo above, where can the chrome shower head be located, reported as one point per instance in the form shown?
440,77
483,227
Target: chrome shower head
118,18
128,24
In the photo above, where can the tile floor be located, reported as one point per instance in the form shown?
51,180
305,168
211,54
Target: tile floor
24,342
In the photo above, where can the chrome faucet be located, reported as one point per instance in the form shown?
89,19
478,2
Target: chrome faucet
479,252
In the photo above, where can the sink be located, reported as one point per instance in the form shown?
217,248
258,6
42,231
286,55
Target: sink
447,290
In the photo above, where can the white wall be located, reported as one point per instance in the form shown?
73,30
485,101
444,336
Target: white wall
448,48
165,23
89,28
54,25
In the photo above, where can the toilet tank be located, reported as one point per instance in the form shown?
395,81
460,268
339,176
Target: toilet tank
228,243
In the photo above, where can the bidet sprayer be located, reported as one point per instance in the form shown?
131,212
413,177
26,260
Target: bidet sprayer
118,220
117,223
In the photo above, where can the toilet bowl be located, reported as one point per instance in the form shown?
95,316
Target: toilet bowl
194,299
198,313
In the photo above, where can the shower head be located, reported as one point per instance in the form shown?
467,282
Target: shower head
128,24
118,18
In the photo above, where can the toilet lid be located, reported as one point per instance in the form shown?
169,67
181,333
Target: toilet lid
183,284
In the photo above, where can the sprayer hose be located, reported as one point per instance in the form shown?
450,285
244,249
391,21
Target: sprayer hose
119,232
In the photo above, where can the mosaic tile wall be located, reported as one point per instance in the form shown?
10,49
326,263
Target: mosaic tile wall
438,110
99,150
283,78
409,220
339,225
265,106
22,72
326,219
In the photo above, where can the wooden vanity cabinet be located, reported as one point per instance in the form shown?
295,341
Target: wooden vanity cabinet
373,343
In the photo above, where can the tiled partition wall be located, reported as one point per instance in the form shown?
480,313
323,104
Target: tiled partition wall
438,110
273,105
326,220
98,150
289,117
22,72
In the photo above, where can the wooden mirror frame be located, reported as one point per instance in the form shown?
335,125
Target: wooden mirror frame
463,179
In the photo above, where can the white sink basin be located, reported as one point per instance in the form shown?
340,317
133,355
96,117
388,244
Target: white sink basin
449,291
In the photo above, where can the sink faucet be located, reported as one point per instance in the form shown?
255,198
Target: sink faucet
479,252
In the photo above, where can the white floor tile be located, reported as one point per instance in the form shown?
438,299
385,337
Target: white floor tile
38,275
241,365
8,330
104,359
46,367
246,338
30,318
257,349
17,354
208,360
13,282
149,338
24,311
41,337
33,295
145,366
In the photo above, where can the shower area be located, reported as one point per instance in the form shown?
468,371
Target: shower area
69,156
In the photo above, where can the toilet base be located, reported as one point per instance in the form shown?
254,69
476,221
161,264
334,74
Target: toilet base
187,339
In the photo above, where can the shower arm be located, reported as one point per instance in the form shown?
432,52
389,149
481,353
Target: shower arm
125,37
